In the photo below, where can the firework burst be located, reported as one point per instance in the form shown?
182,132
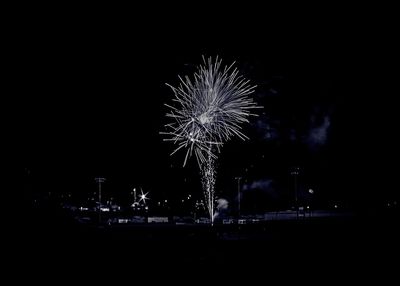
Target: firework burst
207,111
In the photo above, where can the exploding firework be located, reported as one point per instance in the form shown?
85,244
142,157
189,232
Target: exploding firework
208,110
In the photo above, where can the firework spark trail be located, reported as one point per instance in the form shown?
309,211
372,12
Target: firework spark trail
208,111
208,173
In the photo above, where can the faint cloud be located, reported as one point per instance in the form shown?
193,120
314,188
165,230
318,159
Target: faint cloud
318,134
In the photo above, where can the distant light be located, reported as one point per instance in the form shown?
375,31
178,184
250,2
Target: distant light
166,201
146,207
311,191
308,207
335,206
143,197
183,201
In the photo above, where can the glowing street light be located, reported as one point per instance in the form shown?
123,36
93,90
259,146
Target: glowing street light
143,196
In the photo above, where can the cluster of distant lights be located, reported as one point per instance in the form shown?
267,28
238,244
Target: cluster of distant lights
159,202
188,198
143,197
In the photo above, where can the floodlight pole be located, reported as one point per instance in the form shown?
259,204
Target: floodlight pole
295,172
238,182
100,180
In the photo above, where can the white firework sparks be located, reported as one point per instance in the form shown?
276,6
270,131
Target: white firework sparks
208,111
208,173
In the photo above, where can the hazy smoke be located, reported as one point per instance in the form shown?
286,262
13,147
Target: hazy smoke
265,127
222,205
318,134
263,184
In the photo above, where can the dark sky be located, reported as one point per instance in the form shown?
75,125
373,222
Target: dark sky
88,101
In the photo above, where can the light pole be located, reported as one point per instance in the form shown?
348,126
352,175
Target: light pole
100,180
134,197
238,179
295,172
311,192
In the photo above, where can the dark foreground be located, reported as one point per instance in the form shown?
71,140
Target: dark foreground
332,245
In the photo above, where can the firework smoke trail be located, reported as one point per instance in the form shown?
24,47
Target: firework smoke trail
208,173
208,111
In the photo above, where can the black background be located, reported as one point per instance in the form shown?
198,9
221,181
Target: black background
85,92
88,95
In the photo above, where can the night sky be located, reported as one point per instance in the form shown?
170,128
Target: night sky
88,101
83,97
